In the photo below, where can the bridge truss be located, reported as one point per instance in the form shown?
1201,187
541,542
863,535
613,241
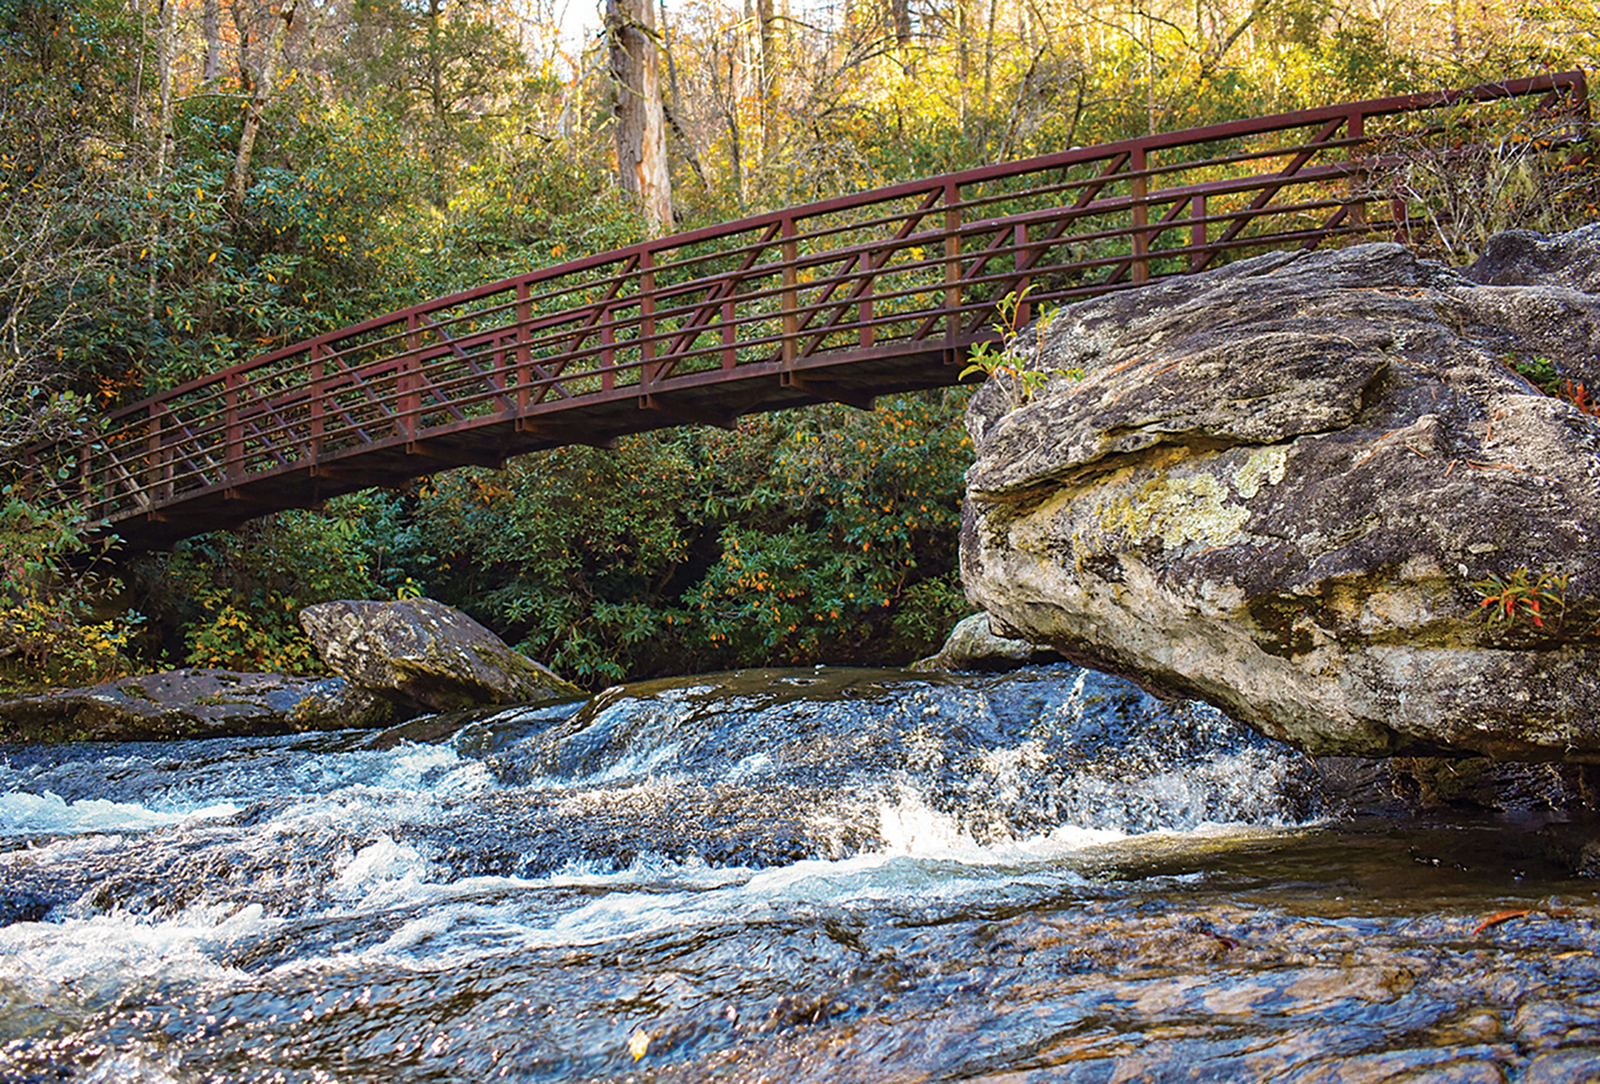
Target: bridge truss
837,301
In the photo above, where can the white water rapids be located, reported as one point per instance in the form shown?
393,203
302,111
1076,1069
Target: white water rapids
830,875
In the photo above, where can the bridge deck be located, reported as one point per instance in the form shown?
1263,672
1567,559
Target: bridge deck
841,300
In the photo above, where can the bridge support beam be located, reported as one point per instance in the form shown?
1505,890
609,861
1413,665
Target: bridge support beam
830,390
690,414
236,495
334,474
562,434
456,457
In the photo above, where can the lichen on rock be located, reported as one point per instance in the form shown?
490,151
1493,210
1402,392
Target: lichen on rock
1283,487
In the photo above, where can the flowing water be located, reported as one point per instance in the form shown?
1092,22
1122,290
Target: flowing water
773,876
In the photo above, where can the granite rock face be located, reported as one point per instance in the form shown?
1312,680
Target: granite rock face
425,657
1283,487
191,704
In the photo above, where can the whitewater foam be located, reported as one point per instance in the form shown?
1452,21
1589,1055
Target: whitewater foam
50,814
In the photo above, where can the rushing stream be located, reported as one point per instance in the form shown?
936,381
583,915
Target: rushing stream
785,876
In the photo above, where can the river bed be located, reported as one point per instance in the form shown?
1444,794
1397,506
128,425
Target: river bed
794,876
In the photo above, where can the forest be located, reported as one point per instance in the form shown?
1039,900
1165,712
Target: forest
187,183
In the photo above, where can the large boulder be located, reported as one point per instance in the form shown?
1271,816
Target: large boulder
425,656
1285,487
191,704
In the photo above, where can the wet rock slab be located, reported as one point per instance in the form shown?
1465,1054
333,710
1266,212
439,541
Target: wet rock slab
191,703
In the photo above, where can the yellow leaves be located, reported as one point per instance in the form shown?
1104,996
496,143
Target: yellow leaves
212,258
639,1043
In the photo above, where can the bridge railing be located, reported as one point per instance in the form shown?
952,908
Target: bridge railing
794,295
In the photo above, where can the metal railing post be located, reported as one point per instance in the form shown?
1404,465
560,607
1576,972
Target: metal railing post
730,333
952,260
1139,189
791,293
319,393
1355,128
648,369
522,376
608,349
1400,218
1197,231
154,460
1019,259
866,334
233,449
408,384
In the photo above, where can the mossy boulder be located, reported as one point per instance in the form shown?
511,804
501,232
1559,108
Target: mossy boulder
191,703
426,657
1284,487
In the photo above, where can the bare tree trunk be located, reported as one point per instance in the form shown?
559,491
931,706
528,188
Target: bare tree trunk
770,86
988,57
963,60
641,125
240,179
438,134
242,27
211,27
163,142
729,103
674,103
901,10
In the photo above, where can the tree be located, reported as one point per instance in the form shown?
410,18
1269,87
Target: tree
60,192
265,78
642,167
53,263
441,70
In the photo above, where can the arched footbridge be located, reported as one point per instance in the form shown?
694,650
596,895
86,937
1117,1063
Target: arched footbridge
837,301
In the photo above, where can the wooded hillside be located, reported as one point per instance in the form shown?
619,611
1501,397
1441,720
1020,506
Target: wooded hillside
186,184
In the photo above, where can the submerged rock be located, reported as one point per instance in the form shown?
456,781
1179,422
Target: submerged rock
972,645
425,656
191,704
1304,487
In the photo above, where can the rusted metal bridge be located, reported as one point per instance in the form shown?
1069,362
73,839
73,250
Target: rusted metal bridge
842,300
